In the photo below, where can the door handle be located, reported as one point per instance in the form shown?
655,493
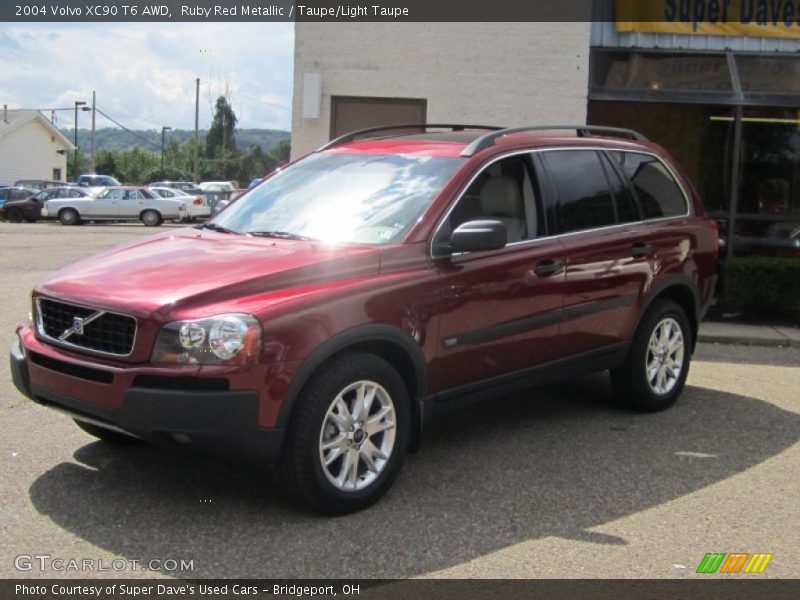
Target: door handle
549,267
641,250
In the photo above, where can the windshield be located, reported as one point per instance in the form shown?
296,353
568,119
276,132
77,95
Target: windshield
340,197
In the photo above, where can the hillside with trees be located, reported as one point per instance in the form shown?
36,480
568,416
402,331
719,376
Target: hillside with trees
224,153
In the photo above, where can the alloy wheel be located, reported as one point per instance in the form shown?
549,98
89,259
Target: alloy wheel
357,436
665,356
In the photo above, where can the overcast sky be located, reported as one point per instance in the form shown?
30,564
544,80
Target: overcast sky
144,73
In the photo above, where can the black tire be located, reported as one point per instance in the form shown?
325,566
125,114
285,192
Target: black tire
301,470
151,218
69,216
106,435
631,381
14,215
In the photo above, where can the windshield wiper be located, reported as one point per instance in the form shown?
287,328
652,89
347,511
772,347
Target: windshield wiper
283,235
219,228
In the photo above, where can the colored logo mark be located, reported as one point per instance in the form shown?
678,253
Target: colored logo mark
735,562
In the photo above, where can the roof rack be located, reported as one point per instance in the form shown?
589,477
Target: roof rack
582,130
353,135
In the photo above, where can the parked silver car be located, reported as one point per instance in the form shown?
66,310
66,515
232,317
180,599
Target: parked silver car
123,203
197,204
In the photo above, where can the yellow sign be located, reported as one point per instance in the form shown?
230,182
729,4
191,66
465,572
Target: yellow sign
737,18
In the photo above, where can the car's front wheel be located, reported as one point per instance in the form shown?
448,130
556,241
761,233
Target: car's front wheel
69,216
151,218
348,434
655,371
15,215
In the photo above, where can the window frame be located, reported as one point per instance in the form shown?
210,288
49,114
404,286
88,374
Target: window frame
536,173
554,202
547,198
632,190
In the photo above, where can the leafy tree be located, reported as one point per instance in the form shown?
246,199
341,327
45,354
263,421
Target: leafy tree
281,152
106,162
221,135
83,166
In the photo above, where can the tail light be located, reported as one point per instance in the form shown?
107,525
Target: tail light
198,201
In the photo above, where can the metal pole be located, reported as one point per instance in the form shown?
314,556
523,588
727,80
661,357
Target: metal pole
737,155
163,132
75,152
94,114
196,128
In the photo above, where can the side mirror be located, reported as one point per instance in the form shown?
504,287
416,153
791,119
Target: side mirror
479,236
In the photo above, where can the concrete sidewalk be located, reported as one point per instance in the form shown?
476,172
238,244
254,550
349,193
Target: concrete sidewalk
749,335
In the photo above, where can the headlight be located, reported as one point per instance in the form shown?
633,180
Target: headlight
224,339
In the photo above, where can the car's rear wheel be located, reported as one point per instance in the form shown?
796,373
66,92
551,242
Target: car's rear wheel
107,435
69,216
655,370
14,215
348,435
151,218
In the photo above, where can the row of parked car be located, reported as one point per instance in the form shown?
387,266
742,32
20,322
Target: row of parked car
102,198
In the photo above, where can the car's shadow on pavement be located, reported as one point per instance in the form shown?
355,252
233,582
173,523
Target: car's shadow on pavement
553,461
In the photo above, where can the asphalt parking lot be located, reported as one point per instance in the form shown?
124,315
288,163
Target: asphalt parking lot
550,483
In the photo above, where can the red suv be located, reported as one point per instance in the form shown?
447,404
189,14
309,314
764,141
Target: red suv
319,320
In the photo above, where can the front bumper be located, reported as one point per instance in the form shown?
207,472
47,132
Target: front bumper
220,421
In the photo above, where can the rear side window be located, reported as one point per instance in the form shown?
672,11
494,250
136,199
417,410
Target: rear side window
584,199
658,193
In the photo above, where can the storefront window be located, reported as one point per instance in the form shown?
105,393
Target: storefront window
699,137
660,72
773,74
768,219
687,103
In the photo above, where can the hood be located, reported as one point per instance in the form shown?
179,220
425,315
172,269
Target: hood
190,268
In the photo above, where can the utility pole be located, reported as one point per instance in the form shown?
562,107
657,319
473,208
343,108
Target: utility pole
196,128
75,154
164,130
94,115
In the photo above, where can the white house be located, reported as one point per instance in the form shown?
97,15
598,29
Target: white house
31,147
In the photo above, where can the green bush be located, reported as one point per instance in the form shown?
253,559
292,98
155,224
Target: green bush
762,286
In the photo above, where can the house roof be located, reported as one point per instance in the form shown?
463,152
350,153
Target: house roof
16,118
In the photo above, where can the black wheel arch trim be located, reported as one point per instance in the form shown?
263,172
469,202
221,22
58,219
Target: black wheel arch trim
350,338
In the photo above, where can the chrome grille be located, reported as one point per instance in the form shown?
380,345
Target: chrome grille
87,328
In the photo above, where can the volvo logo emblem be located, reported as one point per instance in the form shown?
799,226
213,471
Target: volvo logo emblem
77,325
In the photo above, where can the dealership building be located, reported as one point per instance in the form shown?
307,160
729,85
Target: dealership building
724,100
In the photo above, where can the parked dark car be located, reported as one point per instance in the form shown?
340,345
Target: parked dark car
39,184
30,209
317,322
9,193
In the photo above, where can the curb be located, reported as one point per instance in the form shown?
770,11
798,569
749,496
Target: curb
746,341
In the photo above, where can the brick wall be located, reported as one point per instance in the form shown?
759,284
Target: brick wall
486,73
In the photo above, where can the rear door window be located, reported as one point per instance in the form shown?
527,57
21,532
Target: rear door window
656,189
583,197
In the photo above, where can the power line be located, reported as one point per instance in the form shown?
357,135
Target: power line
133,133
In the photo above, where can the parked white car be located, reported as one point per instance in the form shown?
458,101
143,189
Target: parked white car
197,205
218,186
122,203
